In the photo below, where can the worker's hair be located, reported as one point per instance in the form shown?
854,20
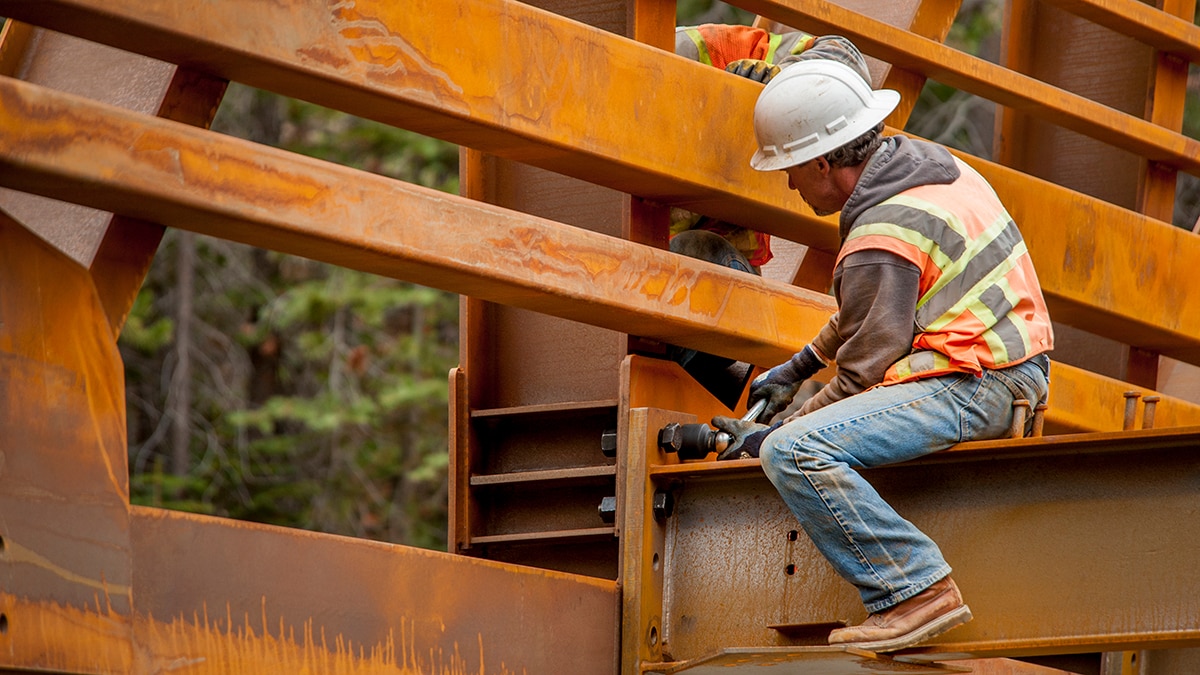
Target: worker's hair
858,150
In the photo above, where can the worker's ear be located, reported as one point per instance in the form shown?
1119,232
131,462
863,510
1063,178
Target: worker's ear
823,166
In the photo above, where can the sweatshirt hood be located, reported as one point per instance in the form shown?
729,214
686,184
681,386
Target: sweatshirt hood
900,163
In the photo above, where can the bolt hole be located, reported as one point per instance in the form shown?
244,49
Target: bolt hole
654,562
790,569
653,636
792,535
3,624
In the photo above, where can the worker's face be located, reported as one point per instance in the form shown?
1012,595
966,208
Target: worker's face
814,181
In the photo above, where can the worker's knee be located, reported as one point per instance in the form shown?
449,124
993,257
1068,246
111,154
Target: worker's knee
794,447
771,453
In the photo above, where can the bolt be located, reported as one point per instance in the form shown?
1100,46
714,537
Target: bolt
1131,398
670,438
663,505
1020,411
608,442
1148,414
608,510
1039,418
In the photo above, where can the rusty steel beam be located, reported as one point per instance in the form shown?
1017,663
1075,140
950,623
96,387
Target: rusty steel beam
227,596
1089,253
65,575
996,83
93,586
193,179
516,98
316,64
1085,549
500,105
1144,22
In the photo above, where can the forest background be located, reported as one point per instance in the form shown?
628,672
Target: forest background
276,389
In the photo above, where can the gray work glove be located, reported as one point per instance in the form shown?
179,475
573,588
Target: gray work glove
747,437
780,384
753,69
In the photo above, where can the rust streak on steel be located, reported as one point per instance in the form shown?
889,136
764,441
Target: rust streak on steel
640,145
306,597
197,180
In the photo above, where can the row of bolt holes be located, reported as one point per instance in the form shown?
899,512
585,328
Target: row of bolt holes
3,616
790,569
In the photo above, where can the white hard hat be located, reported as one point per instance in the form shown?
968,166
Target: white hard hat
811,108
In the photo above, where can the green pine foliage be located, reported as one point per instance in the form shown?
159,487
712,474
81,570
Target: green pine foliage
318,395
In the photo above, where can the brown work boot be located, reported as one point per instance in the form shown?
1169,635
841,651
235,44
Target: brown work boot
931,612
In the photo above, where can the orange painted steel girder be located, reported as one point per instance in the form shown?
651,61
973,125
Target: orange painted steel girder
80,151
995,83
1060,547
413,69
425,45
69,148
91,585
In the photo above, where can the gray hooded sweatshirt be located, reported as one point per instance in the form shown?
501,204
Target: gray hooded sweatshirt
876,290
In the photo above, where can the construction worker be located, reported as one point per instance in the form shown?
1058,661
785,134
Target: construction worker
941,326
756,54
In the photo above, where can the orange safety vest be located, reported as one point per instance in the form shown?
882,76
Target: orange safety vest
719,44
979,305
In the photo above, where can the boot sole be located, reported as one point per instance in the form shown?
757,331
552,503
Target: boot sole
934,628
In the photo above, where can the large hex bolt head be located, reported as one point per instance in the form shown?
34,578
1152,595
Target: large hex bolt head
608,442
688,441
608,510
670,439
663,505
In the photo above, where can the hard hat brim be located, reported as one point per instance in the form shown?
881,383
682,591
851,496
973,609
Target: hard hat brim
883,102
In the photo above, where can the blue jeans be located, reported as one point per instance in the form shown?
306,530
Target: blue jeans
812,461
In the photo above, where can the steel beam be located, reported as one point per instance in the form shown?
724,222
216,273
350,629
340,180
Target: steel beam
521,98
226,596
426,82
93,586
381,43
184,177
197,180
1078,548
65,575
995,83
1147,23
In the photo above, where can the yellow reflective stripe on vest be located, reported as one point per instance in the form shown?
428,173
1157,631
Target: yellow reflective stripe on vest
701,46
968,258
772,45
973,299
917,363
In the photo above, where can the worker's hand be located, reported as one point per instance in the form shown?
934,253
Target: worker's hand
753,69
780,384
747,437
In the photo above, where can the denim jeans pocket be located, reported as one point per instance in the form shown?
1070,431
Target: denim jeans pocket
1026,380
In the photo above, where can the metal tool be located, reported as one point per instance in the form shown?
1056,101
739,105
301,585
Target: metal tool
697,441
